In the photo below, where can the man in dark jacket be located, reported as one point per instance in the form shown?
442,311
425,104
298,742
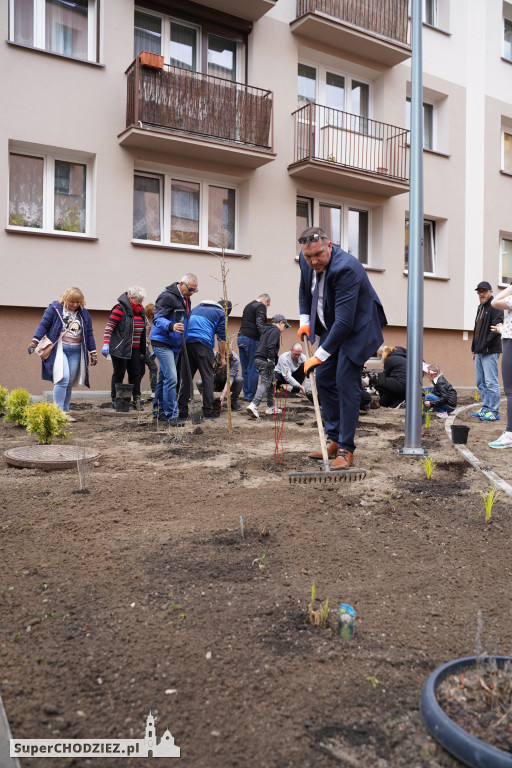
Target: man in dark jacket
486,349
172,310
267,355
254,319
338,304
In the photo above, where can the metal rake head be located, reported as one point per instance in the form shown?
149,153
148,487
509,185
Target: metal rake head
337,476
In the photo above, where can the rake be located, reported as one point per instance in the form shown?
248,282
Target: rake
324,476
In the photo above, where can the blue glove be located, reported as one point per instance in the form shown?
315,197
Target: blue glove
105,350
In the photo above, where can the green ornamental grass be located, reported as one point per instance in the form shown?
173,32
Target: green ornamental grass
15,406
47,421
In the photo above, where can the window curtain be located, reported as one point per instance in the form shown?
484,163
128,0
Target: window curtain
26,191
147,34
69,197
221,218
183,47
67,28
24,22
146,208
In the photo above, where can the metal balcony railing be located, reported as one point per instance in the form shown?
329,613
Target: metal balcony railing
332,136
176,99
388,18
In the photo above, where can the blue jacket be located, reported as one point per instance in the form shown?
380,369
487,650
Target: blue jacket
51,326
166,304
353,314
206,321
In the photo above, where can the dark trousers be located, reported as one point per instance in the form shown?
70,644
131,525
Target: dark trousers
339,390
506,372
121,366
391,392
298,375
149,361
200,359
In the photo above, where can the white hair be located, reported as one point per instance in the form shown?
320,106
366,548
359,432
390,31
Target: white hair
136,292
188,278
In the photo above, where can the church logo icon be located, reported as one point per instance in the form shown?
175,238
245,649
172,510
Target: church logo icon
150,748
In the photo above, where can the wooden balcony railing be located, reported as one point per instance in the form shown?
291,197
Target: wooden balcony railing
388,18
351,141
176,99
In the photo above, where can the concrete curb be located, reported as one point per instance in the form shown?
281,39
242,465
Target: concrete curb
476,463
5,747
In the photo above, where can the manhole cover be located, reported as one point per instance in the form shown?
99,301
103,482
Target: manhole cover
49,456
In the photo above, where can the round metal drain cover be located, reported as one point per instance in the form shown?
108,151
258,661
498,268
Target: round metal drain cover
49,456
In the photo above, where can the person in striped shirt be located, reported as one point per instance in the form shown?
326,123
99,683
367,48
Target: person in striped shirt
125,340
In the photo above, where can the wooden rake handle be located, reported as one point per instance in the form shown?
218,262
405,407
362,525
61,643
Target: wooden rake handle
318,413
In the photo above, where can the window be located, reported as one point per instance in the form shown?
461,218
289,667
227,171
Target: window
507,40
66,27
333,90
330,222
506,153
506,260
201,214
429,246
344,226
430,12
48,193
428,124
199,48
358,234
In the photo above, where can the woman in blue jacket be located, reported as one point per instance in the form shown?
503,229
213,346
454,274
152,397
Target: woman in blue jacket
68,324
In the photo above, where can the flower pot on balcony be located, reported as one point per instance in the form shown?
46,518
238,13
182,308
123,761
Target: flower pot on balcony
381,169
153,60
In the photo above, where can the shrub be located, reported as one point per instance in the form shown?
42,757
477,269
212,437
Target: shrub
46,420
16,403
3,397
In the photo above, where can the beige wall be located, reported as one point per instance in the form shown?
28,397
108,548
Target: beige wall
80,107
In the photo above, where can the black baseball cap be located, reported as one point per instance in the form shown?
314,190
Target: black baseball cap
281,319
484,286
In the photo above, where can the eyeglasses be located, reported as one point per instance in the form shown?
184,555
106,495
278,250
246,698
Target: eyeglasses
191,290
306,240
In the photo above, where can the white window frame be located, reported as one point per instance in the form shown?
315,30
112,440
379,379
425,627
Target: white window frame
205,183
505,132
433,227
168,20
49,159
508,237
321,81
507,18
161,183
434,122
433,3
40,32
345,206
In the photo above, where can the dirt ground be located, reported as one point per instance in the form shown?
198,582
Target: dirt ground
143,596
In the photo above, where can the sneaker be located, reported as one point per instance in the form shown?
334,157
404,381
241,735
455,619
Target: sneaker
396,407
252,411
272,409
477,414
489,416
442,414
505,441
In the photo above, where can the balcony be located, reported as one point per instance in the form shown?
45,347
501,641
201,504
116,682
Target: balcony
245,9
350,152
179,112
375,30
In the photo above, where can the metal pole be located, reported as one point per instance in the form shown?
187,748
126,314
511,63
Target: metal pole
415,283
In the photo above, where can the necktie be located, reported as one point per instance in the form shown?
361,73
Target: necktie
312,319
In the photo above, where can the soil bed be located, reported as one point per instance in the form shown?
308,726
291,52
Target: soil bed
143,596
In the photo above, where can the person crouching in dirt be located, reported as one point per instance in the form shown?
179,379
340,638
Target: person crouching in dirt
236,381
290,370
392,381
443,397
267,355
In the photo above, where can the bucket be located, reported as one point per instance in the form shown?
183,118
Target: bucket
124,391
459,434
122,406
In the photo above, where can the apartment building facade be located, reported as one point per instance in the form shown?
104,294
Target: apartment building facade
138,140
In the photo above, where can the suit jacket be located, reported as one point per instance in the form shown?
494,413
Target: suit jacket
353,313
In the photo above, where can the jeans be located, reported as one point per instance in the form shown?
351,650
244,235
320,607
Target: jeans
266,385
486,372
247,349
63,388
506,372
434,403
165,394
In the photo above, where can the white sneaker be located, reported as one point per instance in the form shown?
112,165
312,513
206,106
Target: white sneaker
271,410
505,441
252,411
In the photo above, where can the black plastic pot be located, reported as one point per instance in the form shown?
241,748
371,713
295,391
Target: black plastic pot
456,740
460,434
124,391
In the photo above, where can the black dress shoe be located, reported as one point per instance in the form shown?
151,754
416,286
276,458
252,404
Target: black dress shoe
211,415
236,407
176,422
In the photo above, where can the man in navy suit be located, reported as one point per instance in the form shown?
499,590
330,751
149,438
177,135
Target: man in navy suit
336,296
